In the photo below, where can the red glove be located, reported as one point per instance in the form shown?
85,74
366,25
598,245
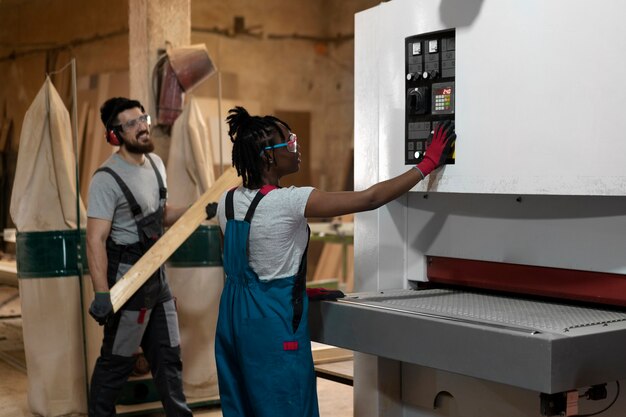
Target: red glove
439,148
315,294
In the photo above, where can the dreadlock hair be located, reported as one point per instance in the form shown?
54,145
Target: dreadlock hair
250,135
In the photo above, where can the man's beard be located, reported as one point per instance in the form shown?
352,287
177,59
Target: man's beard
139,148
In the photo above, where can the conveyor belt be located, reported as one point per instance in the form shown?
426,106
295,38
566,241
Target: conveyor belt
503,311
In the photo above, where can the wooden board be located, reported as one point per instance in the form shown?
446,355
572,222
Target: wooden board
8,273
171,240
333,259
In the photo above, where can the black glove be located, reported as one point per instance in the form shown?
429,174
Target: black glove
316,294
101,308
211,210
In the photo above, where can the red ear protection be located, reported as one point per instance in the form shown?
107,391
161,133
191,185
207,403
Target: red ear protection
112,138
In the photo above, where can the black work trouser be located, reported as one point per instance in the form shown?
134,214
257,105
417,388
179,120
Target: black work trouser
160,343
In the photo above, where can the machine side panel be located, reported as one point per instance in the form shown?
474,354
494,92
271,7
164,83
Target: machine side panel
572,232
366,145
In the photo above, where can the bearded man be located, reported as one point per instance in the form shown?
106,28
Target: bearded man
127,212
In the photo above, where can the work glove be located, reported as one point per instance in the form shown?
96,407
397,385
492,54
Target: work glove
439,144
316,294
211,210
101,308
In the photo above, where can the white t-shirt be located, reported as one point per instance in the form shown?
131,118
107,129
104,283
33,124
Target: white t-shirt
278,232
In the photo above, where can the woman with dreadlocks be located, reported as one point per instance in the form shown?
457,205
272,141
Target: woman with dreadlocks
262,346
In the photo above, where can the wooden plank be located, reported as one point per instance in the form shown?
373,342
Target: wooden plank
326,353
330,262
343,368
342,372
171,240
337,257
8,273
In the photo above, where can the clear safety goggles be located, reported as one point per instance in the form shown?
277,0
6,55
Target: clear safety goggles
291,144
132,124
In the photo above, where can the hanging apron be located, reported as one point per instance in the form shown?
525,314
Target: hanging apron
194,272
262,346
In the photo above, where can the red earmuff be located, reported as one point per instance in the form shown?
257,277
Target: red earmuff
112,138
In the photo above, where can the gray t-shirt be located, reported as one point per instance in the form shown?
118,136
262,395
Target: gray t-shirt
278,232
107,201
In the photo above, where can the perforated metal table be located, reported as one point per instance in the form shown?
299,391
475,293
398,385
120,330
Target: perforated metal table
534,344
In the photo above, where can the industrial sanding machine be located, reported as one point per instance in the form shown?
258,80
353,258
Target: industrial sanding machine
497,286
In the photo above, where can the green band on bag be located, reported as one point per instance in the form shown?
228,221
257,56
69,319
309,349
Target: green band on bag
202,248
50,254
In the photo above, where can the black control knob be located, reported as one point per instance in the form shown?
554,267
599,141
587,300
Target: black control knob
418,100
432,74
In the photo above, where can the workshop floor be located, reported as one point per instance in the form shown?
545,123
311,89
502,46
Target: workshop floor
335,399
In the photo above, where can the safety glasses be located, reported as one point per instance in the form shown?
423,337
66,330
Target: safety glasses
291,144
132,124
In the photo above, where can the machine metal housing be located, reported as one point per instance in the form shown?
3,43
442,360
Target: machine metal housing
537,182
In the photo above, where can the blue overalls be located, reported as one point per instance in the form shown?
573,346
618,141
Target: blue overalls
262,346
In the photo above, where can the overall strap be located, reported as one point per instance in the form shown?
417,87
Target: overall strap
263,191
253,205
162,188
299,287
230,210
230,206
134,206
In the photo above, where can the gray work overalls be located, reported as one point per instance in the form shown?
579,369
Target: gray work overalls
148,319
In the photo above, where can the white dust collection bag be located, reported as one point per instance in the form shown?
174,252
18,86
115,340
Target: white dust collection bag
44,210
195,271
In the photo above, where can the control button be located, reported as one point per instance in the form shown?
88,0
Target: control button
433,46
417,154
411,76
416,48
421,134
433,74
451,44
425,75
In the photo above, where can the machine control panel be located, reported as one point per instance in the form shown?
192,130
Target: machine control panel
429,86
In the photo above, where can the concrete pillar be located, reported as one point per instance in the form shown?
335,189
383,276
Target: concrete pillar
152,25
